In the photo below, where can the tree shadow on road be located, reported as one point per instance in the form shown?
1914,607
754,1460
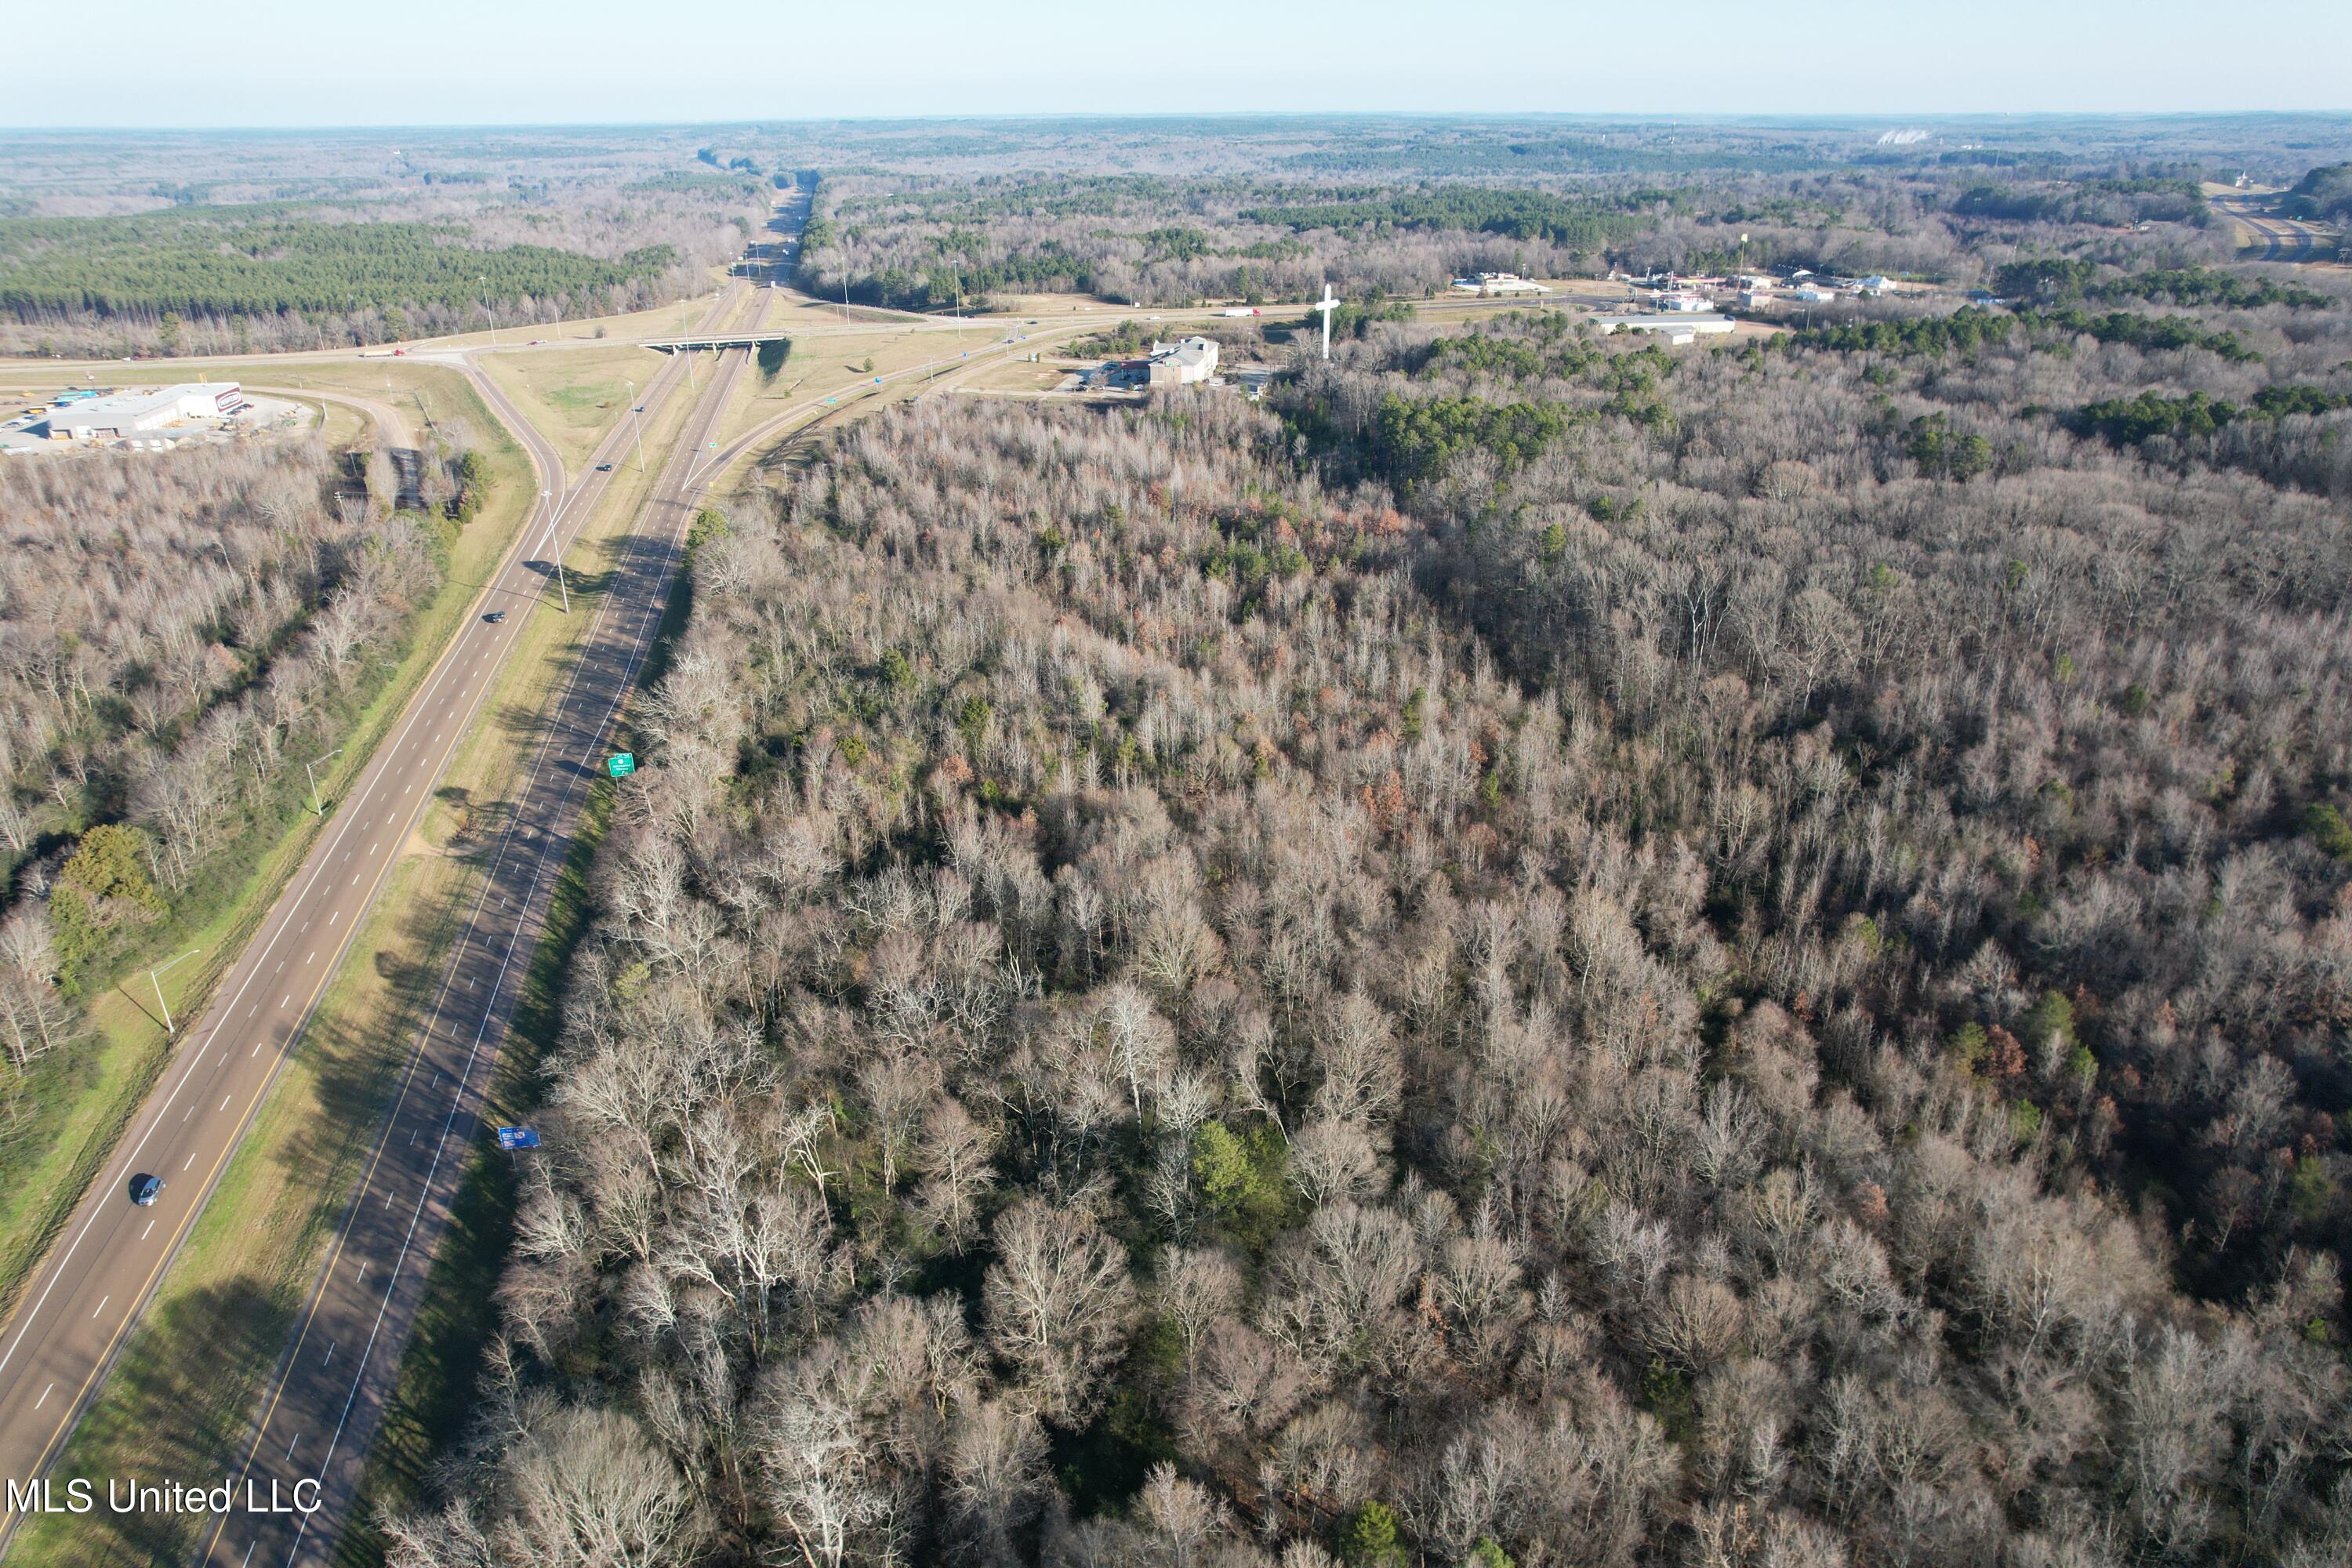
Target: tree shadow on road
167,1415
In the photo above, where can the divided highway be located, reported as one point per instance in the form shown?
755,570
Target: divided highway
75,1315
325,1398
329,1392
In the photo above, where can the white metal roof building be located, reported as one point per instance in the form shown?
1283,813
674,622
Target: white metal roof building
149,408
1499,283
1676,324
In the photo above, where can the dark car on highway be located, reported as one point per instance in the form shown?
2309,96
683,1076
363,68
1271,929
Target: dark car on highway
495,617
144,1188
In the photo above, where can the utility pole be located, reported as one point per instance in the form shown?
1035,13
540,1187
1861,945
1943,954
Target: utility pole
318,807
155,978
555,554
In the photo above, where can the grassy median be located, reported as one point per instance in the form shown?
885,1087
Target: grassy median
180,1398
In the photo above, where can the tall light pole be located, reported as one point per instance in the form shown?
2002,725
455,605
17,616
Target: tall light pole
155,978
636,426
555,554
318,807
493,315
684,347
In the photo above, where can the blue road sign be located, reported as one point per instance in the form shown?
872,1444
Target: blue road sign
518,1137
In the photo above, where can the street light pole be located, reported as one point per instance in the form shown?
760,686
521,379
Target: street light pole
155,978
318,807
493,315
636,426
555,554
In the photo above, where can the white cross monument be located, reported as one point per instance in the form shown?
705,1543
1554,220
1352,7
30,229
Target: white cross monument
1326,305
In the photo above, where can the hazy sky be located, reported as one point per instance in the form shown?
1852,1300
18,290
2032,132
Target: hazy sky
273,62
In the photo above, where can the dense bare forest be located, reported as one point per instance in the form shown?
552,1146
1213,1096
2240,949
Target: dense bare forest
1248,209
1547,953
180,631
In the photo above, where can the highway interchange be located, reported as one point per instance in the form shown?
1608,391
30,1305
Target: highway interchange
323,1400
325,1397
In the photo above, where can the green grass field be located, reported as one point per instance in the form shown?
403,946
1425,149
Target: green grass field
574,396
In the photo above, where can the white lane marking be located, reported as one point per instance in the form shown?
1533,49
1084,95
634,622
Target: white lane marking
143,1234
372,847
412,1137
314,953
248,1553
224,1104
44,1399
254,1052
187,1162
330,919
363,1268
249,1011
290,1447
190,1112
636,654
288,997
102,1301
355,879
330,1355
26,1320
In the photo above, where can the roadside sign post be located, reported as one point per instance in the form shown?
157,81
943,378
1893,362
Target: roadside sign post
513,1137
621,764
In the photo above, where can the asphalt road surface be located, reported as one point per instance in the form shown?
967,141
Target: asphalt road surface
77,1311
325,1397
329,1391
2278,239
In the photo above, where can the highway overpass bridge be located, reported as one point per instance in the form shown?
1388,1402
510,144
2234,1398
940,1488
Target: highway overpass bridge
716,341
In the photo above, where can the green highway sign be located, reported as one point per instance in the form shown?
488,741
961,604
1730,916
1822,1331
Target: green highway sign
621,764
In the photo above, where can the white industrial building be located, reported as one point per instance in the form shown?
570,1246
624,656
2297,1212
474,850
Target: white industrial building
1499,283
1682,327
124,414
1684,299
1181,363
1810,295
